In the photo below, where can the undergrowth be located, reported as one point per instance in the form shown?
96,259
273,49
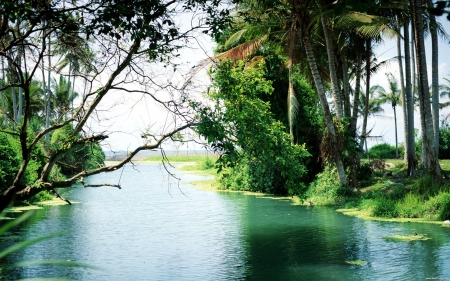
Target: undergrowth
387,196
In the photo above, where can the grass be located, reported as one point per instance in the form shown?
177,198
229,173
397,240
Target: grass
181,158
406,237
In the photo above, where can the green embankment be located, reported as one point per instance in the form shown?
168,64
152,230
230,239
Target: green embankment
384,195
391,196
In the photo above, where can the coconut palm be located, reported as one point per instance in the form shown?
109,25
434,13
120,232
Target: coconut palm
392,96
374,106
429,157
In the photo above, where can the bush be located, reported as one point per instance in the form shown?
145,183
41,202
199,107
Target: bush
364,172
207,164
444,141
326,190
384,207
384,151
9,162
411,206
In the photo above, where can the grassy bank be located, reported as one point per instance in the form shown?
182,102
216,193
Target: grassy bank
388,195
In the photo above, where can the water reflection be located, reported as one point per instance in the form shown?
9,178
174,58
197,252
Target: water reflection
150,230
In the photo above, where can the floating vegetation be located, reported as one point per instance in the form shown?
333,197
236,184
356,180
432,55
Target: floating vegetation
356,262
407,237
55,202
23,209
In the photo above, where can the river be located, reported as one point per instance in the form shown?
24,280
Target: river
156,228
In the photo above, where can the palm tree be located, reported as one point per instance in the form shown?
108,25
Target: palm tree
445,92
374,106
429,157
394,98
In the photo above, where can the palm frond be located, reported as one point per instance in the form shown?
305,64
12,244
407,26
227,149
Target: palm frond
234,39
239,52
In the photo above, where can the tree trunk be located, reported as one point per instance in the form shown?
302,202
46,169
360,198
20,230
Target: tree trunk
332,65
13,93
20,105
327,114
43,67
356,95
434,79
409,105
424,92
1,93
395,125
49,92
346,84
402,85
366,101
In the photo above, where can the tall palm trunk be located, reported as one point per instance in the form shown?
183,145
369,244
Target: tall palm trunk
346,83
396,139
20,102
13,92
327,114
434,79
332,66
49,92
1,93
409,105
367,97
43,66
431,162
402,86
357,93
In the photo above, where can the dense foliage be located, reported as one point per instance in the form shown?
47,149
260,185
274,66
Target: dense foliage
384,151
444,141
253,144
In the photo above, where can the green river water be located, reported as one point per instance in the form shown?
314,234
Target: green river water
158,229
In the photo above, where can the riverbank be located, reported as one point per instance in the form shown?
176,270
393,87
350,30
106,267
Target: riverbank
384,196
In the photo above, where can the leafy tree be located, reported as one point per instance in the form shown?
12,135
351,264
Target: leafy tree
128,36
9,163
394,98
242,128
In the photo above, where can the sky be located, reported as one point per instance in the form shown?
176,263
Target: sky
128,116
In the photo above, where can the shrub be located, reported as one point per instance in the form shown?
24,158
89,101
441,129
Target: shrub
9,162
411,206
384,151
326,190
444,141
364,172
384,207
207,164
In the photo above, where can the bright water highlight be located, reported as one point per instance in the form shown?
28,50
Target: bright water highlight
158,229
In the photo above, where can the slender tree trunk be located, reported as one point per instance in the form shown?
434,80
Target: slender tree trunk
43,70
434,78
413,62
367,97
13,93
73,93
357,93
409,105
1,93
20,103
346,84
424,91
49,92
402,85
396,139
332,65
327,114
